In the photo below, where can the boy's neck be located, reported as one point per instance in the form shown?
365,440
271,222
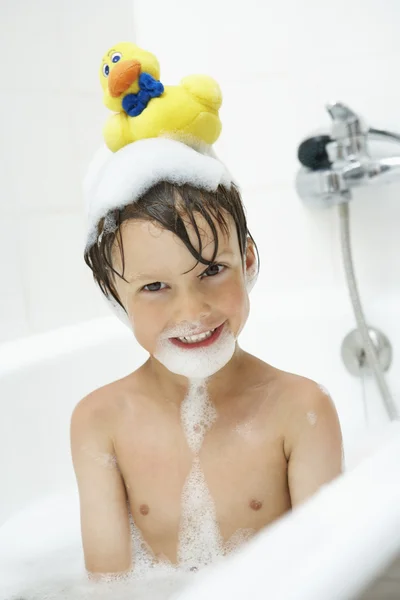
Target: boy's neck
174,388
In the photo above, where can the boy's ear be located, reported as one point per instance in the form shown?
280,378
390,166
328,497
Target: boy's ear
251,258
251,266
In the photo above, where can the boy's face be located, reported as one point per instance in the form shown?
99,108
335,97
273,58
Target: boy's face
160,301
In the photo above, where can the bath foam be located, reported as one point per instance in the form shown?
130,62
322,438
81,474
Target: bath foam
237,539
156,585
103,458
311,417
197,414
200,541
143,558
198,533
244,429
324,390
197,363
59,574
115,179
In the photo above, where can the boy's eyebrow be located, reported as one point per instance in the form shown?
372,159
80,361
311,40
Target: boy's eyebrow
150,276
141,276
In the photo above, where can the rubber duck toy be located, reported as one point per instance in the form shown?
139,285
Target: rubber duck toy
145,108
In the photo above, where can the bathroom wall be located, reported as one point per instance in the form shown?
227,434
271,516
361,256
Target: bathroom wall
51,116
277,63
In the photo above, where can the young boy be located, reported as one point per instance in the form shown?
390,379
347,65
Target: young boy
203,445
276,438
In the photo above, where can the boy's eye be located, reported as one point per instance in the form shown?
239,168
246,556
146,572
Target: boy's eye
158,283
213,267
151,285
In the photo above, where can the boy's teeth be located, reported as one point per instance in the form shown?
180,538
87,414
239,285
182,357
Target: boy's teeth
196,338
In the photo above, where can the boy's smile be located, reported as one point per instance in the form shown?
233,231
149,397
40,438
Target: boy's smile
199,340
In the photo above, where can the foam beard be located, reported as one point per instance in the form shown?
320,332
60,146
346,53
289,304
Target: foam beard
197,363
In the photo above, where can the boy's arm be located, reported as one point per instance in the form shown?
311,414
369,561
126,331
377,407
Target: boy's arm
313,444
105,527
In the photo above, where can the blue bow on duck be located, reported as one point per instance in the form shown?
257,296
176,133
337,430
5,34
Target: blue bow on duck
134,104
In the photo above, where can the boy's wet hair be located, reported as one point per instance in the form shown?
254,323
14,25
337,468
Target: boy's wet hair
165,203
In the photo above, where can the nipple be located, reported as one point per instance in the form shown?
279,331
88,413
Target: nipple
255,504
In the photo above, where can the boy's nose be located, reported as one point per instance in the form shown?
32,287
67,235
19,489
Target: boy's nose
192,307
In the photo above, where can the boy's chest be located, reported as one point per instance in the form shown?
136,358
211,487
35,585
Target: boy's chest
238,478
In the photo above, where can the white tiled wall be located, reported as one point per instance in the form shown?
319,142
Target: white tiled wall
278,63
51,117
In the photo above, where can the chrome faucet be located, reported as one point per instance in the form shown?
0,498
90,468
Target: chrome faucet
334,164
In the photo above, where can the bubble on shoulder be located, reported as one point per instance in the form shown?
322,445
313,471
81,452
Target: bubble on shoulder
104,459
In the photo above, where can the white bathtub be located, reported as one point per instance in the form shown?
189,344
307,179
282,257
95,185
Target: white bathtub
43,377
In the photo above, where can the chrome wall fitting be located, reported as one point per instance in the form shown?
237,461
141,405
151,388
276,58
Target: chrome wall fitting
353,352
336,163
332,166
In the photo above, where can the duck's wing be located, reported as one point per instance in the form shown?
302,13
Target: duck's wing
205,89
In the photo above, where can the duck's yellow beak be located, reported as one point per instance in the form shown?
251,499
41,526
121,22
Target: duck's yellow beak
122,76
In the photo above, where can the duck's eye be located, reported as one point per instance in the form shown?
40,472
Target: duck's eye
116,57
106,70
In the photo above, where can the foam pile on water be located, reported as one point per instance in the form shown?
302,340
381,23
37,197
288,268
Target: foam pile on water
155,586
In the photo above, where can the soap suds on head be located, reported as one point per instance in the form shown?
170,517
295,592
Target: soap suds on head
115,179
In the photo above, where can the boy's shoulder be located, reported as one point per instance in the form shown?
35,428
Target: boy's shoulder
304,402
292,382
106,399
297,392
288,394
294,393
286,385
